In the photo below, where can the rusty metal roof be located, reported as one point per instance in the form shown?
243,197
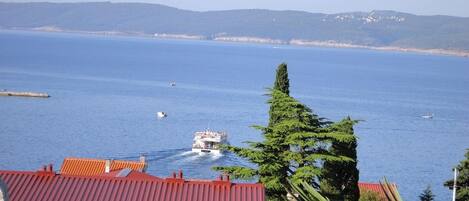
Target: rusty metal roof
90,167
46,185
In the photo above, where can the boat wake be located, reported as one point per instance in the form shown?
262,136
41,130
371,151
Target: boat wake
162,163
186,153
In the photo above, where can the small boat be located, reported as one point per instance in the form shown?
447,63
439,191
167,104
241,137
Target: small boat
209,141
172,84
161,114
427,116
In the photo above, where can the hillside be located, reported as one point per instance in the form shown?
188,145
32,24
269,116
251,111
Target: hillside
376,29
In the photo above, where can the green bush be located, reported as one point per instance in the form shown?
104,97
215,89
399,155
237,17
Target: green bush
370,196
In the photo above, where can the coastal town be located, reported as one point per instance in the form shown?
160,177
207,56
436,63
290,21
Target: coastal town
163,100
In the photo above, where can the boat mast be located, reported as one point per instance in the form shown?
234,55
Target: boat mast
454,183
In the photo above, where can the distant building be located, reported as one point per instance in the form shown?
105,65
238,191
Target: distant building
122,185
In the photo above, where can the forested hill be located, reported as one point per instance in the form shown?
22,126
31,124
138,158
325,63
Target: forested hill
377,28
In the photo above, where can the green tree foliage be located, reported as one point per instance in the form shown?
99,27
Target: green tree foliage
282,83
462,190
370,196
339,180
292,147
427,195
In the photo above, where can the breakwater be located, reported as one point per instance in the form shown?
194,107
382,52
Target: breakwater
25,94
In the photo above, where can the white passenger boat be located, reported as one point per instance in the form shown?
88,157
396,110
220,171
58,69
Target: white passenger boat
209,141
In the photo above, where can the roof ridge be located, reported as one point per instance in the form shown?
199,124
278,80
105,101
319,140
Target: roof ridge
128,161
99,160
83,159
109,178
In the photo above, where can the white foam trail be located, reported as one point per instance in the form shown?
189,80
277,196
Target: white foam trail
192,157
178,155
186,153
215,157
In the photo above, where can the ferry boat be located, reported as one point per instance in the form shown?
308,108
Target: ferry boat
209,141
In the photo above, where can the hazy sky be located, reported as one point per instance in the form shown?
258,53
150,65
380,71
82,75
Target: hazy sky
422,7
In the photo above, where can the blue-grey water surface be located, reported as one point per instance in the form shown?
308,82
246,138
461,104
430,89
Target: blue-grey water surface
105,92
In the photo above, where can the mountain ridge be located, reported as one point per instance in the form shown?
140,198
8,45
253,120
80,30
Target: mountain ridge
377,29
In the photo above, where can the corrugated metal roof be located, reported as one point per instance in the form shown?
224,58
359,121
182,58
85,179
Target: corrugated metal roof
45,185
374,187
90,167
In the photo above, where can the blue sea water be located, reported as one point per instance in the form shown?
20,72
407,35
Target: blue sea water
105,92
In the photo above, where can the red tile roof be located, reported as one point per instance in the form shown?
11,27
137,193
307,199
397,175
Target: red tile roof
374,187
90,167
46,185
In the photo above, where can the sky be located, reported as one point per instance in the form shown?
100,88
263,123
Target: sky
420,7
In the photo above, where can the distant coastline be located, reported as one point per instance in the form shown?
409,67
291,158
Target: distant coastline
248,39
384,30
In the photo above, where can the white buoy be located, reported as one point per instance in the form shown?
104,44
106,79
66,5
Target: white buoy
161,114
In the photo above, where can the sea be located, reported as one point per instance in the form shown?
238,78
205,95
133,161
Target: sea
106,90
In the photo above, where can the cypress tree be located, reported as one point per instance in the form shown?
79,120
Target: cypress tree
282,83
275,141
427,195
339,180
462,193
291,147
